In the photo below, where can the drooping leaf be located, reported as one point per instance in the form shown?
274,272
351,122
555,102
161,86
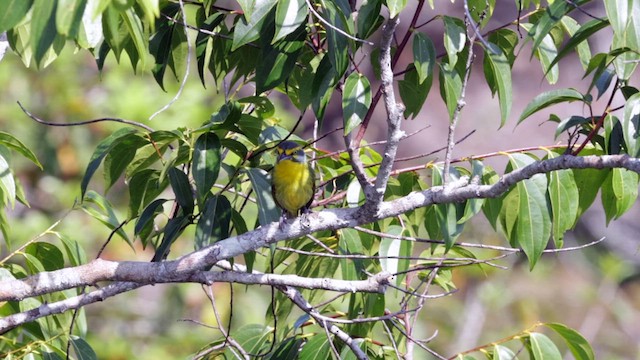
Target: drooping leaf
337,43
543,348
501,78
450,88
104,212
214,221
424,56
12,12
412,92
564,195
7,183
454,38
631,125
175,226
578,345
356,99
249,27
182,189
394,248
619,192
48,254
69,16
82,349
277,59
267,210
43,28
578,41
206,163
290,14
502,353
532,220
549,98
103,148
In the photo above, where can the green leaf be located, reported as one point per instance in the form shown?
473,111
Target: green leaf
316,348
182,189
578,40
204,42
104,213
589,182
324,81
619,192
206,163
43,28
578,345
103,148
261,184
412,92
248,29
454,38
137,33
69,16
569,123
175,226
7,183
82,349
290,14
549,98
337,43
214,221
395,7
543,348
277,60
12,12
450,88
356,99
617,13
502,353
147,216
394,248
564,195
631,125
546,52
532,224
553,14
369,18
350,243
501,78
507,40
473,206
253,338
424,56
48,254
144,186
119,157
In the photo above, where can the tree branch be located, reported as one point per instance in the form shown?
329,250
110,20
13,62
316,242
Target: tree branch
188,266
394,114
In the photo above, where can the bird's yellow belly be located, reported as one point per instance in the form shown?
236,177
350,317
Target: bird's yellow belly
293,185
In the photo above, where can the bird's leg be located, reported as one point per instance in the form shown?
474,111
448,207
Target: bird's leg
283,220
304,217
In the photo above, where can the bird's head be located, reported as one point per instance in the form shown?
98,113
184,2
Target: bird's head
290,150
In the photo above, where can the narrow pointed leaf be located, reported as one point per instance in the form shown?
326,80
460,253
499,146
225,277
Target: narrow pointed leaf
267,210
290,14
549,98
43,28
631,125
501,73
13,143
454,38
543,348
206,163
12,12
356,99
214,221
424,56
450,88
563,193
182,189
578,345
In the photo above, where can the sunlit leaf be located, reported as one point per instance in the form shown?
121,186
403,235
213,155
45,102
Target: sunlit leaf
356,99
549,98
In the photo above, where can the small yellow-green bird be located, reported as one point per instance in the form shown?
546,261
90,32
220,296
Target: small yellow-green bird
293,181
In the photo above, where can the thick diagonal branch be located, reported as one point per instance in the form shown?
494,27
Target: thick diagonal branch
190,264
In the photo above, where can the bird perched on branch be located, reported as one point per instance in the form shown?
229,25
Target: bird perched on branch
293,180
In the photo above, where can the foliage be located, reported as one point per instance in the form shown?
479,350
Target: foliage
212,180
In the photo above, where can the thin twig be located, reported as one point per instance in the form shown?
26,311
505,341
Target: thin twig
86,122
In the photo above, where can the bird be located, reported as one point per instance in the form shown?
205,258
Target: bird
293,180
